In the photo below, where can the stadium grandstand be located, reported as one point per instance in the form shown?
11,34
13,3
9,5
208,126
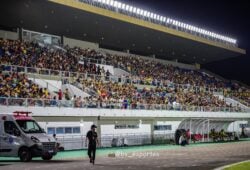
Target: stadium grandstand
134,73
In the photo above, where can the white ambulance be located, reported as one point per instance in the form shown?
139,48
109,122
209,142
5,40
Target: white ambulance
21,136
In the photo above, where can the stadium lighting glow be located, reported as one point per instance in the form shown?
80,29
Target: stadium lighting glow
164,19
138,11
111,2
130,9
115,4
155,16
119,5
142,12
168,20
134,10
151,15
127,8
158,17
123,6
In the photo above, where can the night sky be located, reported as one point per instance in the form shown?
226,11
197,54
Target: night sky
227,17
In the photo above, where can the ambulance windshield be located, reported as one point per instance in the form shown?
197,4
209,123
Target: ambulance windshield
29,126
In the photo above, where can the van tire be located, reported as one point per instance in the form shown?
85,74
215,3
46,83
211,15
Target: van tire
47,157
25,155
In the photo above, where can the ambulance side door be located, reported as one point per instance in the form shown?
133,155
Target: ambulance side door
8,147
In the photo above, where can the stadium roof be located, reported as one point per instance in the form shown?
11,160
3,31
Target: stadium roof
110,29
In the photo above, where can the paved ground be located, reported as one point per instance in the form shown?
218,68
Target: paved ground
193,157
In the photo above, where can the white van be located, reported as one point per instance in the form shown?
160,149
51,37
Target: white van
21,136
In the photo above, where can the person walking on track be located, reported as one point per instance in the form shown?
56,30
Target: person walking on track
92,143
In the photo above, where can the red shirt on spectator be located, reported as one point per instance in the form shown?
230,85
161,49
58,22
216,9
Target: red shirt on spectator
60,95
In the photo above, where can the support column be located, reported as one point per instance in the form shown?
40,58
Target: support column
203,129
152,131
98,124
208,130
190,125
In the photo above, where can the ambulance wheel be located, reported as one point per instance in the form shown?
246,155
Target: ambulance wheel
47,157
25,155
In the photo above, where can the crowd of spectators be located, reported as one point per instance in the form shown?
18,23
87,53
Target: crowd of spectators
142,71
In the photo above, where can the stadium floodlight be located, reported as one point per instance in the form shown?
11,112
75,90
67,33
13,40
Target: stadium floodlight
134,9
155,16
119,5
174,22
142,12
127,8
123,6
115,4
164,19
158,17
111,3
138,11
161,18
151,15
168,20
177,23
131,9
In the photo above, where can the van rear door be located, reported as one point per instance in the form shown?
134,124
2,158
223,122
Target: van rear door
8,147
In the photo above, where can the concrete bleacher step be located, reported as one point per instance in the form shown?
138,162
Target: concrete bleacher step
53,86
73,90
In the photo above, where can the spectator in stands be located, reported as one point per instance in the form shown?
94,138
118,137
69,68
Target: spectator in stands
60,94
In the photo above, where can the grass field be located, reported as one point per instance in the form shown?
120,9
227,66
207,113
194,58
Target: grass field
241,166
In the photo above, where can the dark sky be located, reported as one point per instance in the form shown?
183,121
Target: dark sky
227,17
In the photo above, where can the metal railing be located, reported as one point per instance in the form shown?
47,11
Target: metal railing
93,104
70,142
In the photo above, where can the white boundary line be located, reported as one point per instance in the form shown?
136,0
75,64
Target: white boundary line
227,166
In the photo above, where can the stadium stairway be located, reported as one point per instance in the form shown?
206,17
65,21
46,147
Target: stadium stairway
73,90
235,103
